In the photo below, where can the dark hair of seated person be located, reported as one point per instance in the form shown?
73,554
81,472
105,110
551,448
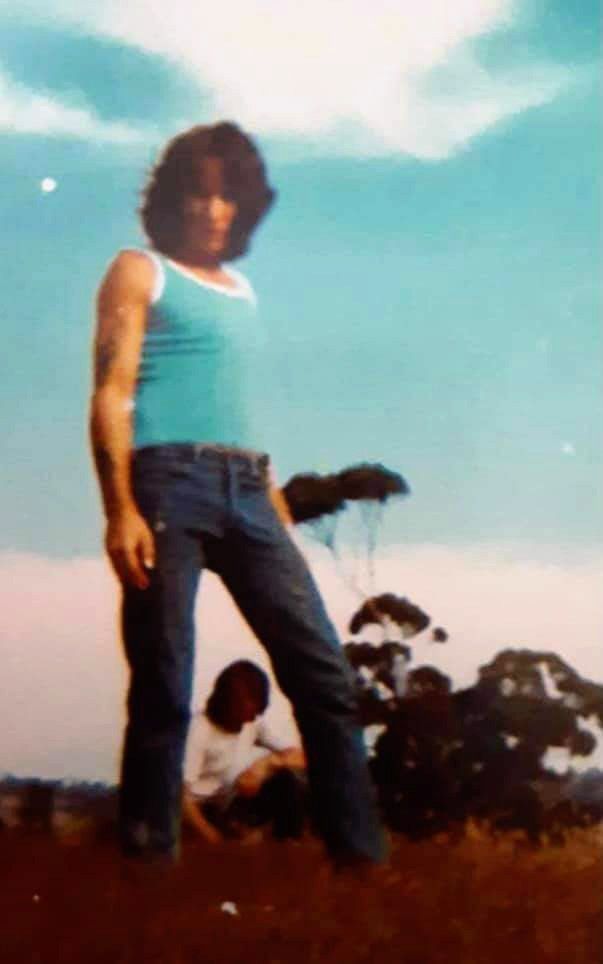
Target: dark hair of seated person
241,692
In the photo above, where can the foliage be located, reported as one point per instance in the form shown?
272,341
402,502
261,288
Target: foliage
360,493
446,756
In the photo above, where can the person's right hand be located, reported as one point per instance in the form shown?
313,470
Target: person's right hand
250,780
211,835
131,547
293,757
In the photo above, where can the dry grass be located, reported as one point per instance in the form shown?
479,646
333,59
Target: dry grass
475,901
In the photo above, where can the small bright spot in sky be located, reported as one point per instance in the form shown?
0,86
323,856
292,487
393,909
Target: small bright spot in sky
48,184
568,449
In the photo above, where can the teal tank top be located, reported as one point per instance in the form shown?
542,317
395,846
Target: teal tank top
199,359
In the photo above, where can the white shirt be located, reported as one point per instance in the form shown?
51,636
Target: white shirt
215,758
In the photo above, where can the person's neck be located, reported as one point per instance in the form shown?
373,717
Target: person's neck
196,261
231,728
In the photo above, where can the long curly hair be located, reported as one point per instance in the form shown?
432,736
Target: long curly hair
174,176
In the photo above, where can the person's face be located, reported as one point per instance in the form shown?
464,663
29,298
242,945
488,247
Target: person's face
243,706
208,210
248,709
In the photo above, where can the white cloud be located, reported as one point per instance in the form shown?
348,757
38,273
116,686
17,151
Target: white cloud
347,75
25,111
63,677
440,120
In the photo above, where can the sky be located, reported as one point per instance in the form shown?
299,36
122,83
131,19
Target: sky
429,276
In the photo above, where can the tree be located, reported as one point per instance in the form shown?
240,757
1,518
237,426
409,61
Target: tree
320,501
444,756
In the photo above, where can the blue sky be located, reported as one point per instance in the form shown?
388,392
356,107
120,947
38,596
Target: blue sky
430,277
434,302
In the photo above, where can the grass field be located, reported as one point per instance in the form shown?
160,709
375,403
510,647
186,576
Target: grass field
475,901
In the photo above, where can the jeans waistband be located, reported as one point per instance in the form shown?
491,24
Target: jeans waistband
191,451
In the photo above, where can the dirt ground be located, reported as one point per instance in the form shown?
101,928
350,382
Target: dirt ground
476,901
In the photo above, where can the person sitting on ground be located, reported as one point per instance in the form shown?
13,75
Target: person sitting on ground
225,796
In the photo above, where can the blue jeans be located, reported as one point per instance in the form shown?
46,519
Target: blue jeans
209,508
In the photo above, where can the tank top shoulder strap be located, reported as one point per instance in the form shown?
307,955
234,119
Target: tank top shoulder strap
157,261
245,286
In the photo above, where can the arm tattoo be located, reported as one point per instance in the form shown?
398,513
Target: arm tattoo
106,350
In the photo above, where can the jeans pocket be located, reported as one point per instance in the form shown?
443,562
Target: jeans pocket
148,482
253,477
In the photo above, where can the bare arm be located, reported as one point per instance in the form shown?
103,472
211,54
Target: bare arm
193,815
122,305
279,502
251,779
280,505
292,756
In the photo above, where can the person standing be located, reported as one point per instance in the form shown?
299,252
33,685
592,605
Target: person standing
187,486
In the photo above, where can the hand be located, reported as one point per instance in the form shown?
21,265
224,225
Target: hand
280,505
293,757
131,547
250,781
211,835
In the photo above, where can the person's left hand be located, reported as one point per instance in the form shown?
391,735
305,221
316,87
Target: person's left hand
280,504
249,782
293,757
